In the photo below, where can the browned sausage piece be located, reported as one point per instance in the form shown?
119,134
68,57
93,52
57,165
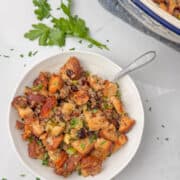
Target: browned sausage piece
19,125
35,151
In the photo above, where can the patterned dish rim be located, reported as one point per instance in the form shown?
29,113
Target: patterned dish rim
164,18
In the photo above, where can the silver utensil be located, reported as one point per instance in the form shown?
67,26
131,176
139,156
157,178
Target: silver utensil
142,60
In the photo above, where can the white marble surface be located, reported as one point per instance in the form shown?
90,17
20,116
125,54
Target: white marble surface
159,83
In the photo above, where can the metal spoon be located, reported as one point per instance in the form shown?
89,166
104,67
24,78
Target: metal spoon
142,60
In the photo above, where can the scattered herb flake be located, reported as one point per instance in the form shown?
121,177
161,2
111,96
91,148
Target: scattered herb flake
21,55
37,178
72,49
22,175
80,41
167,139
150,109
34,53
4,178
157,138
107,40
90,46
163,126
30,53
11,49
6,56
58,8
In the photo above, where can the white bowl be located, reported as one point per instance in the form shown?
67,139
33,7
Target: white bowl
100,65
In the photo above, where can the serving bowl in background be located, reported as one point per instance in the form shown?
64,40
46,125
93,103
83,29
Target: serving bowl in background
97,64
154,18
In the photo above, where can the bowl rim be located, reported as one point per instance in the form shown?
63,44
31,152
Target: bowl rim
33,65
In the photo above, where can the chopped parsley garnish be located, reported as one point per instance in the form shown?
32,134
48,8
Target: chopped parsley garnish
4,179
37,178
45,160
107,106
94,110
63,27
75,122
43,9
83,146
31,139
92,138
71,151
39,142
103,142
37,88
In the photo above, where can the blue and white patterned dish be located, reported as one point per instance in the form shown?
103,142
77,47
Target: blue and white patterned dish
151,22
167,20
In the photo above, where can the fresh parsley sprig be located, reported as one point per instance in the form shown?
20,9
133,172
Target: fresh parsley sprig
62,28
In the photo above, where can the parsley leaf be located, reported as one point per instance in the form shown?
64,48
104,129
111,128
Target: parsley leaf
67,8
40,31
43,9
56,37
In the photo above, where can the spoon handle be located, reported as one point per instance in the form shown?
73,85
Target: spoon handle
136,64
